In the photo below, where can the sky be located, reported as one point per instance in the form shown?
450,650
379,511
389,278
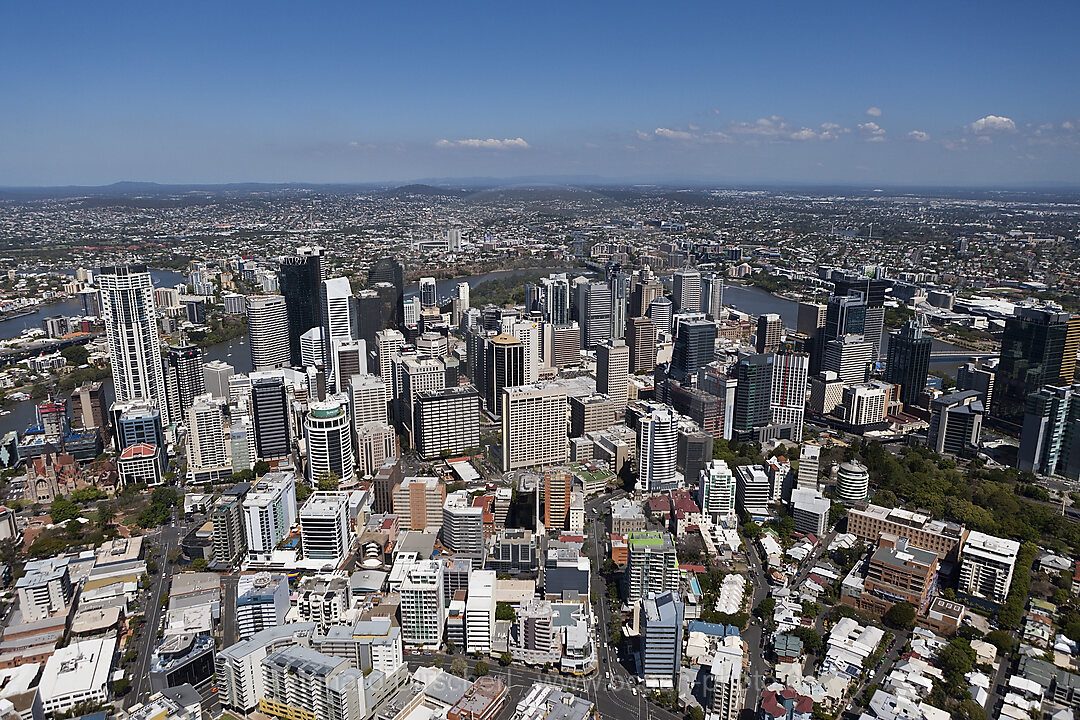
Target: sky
868,93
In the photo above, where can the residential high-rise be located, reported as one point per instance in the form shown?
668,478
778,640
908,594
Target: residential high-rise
269,513
658,443
975,376
612,371
726,694
261,602
811,323
300,281
850,357
908,360
641,340
533,426
227,518
208,453
661,311
652,566
184,379
956,423
325,532
504,366
421,608
662,631
1038,347
446,421
809,465
462,524
1050,440
695,347
376,443
557,487
127,302
594,313
717,490
328,437
789,385
299,682
686,289
986,566
810,510
387,343
418,503
770,329
480,611
268,332
388,270
754,489
852,482
270,418
753,395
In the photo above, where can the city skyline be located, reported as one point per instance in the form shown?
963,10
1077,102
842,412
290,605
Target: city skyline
847,94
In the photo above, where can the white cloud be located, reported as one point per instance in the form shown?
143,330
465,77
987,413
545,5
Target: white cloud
919,135
992,123
876,138
674,134
775,128
711,136
874,111
871,128
488,144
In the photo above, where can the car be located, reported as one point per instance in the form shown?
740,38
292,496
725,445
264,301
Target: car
634,690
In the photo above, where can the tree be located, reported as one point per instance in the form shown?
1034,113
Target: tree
63,510
481,669
901,616
261,468
76,355
505,659
751,531
104,516
765,608
1002,640
88,494
199,564
121,686
505,611
693,712
459,667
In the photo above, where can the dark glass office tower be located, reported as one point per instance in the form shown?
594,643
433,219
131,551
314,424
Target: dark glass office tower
695,347
908,360
1038,347
300,279
752,395
389,270
184,379
270,418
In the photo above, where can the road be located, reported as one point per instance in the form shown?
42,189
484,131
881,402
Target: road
229,633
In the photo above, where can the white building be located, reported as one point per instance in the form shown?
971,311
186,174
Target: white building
422,613
480,611
312,348
140,463
269,514
528,332
268,331
658,445
44,589
301,682
462,524
613,371
77,673
262,600
809,465
239,666
986,566
387,344
754,489
209,456
369,397
324,527
788,398
810,510
375,443
717,492
337,323
534,426
322,599
328,437
725,693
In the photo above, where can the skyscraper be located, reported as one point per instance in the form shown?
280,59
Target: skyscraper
337,322
594,313
789,384
446,421
612,371
328,438
811,323
558,484
620,296
208,453
686,289
504,366
908,360
300,278
662,635
658,446
1050,441
956,424
850,357
975,376
1038,347
844,315
428,293
660,311
695,347
268,332
529,332
645,289
770,327
641,339
184,379
127,302
753,395
388,270
533,426
556,300
716,492
270,417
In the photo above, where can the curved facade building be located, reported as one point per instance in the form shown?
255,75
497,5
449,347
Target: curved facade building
852,482
328,436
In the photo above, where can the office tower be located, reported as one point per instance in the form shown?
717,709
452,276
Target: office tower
753,490
373,310
810,510
529,333
349,358
313,348
461,302
872,292
986,566
850,357
262,600
337,322
301,682
811,323
809,465
428,293
270,418
227,518
88,407
641,340
956,423
480,611
328,437
387,343
557,487
389,271
431,344
216,376
612,371
594,313
1038,347
789,385
269,514
446,422
462,524
852,482
555,291
717,491
695,451
533,426
908,360
620,296
268,332
324,526
1050,440
376,443
652,566
590,413
369,396
300,279
137,423
660,312
658,441
562,345
686,290
645,288
973,376
413,375
418,503
712,295
183,379
662,631
208,453
753,395
421,607
242,444
504,366
844,316
770,329
411,311
695,347
127,302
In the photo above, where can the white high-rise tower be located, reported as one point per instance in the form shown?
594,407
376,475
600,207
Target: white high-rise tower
268,331
337,322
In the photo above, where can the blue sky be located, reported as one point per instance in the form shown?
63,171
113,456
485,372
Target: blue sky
866,93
